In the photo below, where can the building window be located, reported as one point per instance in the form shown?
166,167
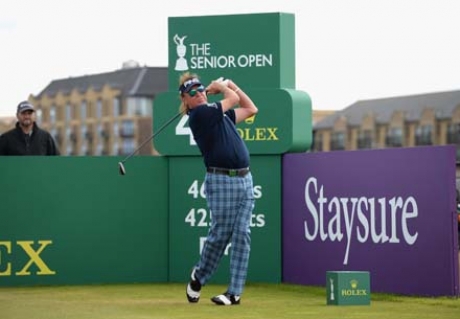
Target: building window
127,128
365,139
68,112
84,149
83,111
423,135
453,133
317,141
84,144
338,141
53,114
116,131
99,109
394,137
115,147
116,107
89,134
69,149
39,116
68,131
101,132
453,137
74,136
128,146
99,148
139,106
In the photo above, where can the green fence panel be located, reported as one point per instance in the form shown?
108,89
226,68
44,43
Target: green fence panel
75,220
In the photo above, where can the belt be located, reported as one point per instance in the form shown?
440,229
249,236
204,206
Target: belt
241,172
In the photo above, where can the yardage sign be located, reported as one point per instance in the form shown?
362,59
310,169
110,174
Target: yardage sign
190,217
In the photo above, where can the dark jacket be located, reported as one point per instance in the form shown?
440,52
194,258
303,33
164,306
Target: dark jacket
15,142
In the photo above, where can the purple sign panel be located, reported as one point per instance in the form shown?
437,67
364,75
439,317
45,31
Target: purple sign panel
390,212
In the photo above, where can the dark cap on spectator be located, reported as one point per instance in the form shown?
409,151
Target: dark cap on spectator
25,106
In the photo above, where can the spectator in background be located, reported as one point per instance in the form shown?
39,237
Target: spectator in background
458,216
27,138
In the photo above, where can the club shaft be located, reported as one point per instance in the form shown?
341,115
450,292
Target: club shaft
151,137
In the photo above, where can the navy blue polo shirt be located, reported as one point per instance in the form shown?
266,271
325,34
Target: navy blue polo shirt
217,138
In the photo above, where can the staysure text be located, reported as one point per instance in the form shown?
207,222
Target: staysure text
363,218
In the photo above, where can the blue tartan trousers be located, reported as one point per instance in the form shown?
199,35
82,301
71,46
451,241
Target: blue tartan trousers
231,202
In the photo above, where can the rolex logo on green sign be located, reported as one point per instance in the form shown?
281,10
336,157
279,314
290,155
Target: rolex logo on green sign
353,290
257,133
35,264
354,284
348,288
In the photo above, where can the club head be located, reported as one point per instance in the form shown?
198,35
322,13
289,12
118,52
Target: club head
121,168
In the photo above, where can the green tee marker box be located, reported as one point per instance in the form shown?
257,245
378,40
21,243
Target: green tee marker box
348,288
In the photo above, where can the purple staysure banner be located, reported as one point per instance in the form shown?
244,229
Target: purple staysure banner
390,212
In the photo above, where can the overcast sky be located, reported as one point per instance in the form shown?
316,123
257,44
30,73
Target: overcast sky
346,50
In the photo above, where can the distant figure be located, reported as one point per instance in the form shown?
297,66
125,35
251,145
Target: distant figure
458,216
27,138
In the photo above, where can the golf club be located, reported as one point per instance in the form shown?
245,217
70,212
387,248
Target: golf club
121,166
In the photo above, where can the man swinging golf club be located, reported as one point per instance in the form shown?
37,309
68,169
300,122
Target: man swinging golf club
228,181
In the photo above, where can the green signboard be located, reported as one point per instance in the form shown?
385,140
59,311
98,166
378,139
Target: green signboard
189,219
75,220
256,50
348,288
282,125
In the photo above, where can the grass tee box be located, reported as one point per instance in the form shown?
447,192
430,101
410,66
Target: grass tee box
348,288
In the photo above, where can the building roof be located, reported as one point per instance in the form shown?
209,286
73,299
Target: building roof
443,103
318,115
134,81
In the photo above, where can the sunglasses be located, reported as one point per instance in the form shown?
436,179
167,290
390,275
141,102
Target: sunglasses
193,92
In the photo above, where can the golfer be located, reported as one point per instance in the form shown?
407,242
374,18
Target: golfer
228,181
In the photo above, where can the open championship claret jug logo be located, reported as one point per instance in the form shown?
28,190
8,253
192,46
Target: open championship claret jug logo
200,56
181,50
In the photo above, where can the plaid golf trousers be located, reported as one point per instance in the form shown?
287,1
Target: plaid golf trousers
231,202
